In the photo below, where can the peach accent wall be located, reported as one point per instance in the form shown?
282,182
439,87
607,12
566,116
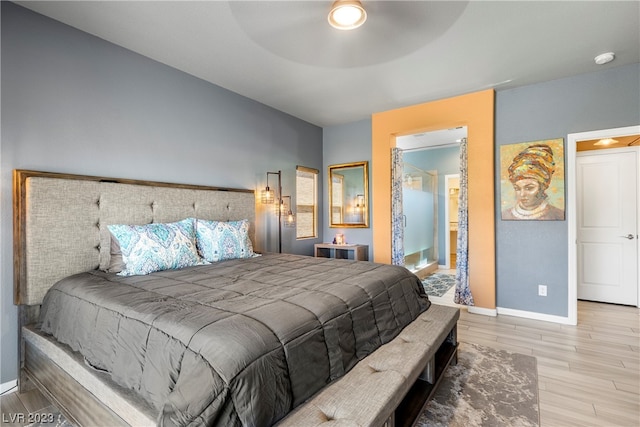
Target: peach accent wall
476,111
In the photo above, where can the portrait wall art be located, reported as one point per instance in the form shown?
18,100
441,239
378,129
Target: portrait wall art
532,181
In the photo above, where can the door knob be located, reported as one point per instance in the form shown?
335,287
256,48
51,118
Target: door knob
628,236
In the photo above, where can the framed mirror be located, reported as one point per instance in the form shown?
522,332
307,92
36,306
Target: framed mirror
349,195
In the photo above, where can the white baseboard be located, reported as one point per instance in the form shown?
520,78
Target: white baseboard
535,316
483,311
4,387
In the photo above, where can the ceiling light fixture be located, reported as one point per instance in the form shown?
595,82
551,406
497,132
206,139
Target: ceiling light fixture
607,141
347,14
604,58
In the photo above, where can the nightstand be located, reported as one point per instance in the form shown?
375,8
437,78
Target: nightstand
329,250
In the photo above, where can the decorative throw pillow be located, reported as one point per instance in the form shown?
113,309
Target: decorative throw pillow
155,247
218,240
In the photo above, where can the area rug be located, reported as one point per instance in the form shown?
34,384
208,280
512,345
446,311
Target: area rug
437,284
486,388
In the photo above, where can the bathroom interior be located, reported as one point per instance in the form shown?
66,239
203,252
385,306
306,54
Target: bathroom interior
431,186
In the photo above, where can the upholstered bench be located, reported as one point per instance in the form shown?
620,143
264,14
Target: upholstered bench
376,391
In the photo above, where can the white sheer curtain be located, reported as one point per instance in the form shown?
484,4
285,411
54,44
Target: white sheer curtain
463,293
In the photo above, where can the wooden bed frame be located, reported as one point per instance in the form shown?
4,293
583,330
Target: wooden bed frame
60,229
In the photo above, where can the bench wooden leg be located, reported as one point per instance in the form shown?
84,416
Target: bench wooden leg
428,374
452,339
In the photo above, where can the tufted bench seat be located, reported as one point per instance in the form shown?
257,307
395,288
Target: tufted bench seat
370,393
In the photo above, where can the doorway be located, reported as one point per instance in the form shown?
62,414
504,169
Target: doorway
431,174
598,264
607,249
477,112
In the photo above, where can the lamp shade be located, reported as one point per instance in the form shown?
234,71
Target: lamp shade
290,219
280,207
267,196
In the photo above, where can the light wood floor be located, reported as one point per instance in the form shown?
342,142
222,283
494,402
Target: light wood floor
588,375
20,409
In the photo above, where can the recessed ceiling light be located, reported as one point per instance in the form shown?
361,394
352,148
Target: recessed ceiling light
607,141
604,58
347,14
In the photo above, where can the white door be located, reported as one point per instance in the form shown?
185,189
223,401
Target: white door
607,238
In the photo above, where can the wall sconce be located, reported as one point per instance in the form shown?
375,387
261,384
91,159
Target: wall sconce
358,205
268,197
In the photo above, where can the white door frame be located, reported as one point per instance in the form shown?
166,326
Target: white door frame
572,224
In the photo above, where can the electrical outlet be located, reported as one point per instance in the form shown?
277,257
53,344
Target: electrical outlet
542,290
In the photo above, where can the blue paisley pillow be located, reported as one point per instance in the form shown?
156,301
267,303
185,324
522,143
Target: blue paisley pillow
218,240
155,247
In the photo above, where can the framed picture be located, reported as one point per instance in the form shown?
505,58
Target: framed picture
532,181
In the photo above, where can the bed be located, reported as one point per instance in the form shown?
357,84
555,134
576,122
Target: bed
303,323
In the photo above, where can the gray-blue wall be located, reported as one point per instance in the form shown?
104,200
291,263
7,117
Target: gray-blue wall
344,144
74,103
535,252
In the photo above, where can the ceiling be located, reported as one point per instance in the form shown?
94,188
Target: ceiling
285,55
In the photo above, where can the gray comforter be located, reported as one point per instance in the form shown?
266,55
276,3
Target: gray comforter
239,342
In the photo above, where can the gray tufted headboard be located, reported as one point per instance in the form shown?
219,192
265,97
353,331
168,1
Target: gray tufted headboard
60,220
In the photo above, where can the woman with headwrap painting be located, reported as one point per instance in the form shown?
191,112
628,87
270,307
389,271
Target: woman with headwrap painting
530,174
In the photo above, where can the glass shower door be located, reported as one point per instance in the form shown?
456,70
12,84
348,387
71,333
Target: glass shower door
419,203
